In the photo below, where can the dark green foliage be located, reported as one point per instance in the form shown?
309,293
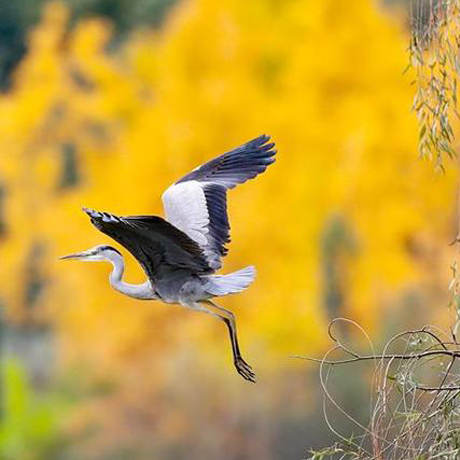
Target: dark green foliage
337,246
15,17
69,167
124,14
35,282
2,215
18,16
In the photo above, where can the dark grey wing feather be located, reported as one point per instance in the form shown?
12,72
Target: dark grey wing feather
197,203
219,227
155,243
236,166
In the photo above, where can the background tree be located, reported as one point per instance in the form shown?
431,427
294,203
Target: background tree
17,17
111,130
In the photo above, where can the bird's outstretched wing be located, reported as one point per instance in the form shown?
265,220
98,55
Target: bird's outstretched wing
154,242
197,203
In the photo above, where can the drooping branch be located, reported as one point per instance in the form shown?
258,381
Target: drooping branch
435,61
410,416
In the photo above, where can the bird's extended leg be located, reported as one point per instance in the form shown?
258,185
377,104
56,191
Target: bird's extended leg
242,367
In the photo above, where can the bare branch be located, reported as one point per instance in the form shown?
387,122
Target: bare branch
415,391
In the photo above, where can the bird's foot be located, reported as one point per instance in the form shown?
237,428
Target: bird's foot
244,369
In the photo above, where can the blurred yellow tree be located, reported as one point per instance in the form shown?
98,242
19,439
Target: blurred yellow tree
347,218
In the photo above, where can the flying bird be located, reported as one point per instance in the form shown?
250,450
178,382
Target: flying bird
180,254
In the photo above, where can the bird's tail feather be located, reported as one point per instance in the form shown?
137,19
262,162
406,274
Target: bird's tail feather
219,285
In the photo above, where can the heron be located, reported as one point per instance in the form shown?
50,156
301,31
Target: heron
181,254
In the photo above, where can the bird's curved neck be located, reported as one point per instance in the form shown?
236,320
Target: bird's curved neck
142,291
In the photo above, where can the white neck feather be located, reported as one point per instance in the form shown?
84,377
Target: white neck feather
142,291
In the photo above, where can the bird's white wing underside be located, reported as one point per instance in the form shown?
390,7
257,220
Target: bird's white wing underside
197,203
185,207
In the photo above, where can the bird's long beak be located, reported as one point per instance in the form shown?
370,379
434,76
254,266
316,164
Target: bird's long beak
75,256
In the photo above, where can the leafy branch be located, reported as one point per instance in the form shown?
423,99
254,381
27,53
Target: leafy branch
435,59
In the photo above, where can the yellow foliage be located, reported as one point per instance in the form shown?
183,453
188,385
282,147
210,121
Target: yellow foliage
323,78
330,93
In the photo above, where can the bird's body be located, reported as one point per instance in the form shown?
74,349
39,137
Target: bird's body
181,254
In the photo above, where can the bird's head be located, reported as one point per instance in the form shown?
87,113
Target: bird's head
96,254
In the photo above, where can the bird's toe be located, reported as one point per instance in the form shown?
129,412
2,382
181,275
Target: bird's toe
245,370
